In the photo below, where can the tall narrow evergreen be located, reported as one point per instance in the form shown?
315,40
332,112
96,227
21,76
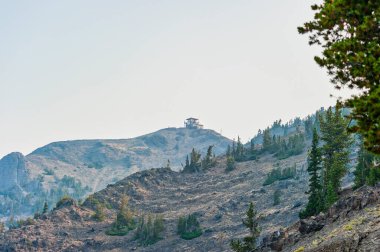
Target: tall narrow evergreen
336,141
46,208
249,242
315,203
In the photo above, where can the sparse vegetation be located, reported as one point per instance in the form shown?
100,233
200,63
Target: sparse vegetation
99,214
280,174
300,249
230,163
188,227
64,201
124,220
48,172
276,197
149,229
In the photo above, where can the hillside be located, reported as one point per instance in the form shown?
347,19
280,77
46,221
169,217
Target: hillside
219,199
80,167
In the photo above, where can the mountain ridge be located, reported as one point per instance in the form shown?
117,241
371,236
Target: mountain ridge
85,166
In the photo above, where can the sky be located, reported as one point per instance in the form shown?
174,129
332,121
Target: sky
95,69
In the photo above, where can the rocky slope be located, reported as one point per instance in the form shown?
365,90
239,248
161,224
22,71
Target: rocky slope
84,166
351,224
219,199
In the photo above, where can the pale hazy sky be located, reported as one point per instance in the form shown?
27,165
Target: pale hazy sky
118,69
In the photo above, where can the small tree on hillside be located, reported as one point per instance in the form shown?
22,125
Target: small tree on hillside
209,160
249,242
46,208
230,163
124,219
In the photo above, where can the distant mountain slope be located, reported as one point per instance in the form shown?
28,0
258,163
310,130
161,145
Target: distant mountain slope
219,199
83,166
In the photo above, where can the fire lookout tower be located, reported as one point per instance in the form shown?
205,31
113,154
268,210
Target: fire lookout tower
193,123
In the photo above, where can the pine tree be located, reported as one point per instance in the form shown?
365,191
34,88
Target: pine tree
208,161
195,161
168,164
267,140
230,163
187,165
335,154
228,152
46,208
315,204
249,242
364,167
239,155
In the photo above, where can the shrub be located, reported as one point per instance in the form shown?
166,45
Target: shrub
65,201
124,220
230,163
276,197
99,213
280,174
150,231
188,227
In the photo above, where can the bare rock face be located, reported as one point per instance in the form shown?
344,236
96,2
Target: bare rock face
13,172
312,224
351,224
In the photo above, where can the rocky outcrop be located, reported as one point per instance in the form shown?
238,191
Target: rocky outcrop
13,172
353,219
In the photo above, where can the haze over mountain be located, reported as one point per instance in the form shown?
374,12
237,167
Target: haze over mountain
79,167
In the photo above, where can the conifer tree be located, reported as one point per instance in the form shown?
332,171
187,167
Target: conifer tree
363,174
348,32
228,152
195,161
315,203
249,242
208,161
46,208
267,140
168,164
335,154
230,163
239,155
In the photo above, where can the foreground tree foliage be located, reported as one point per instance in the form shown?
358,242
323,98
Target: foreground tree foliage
349,33
188,227
249,242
